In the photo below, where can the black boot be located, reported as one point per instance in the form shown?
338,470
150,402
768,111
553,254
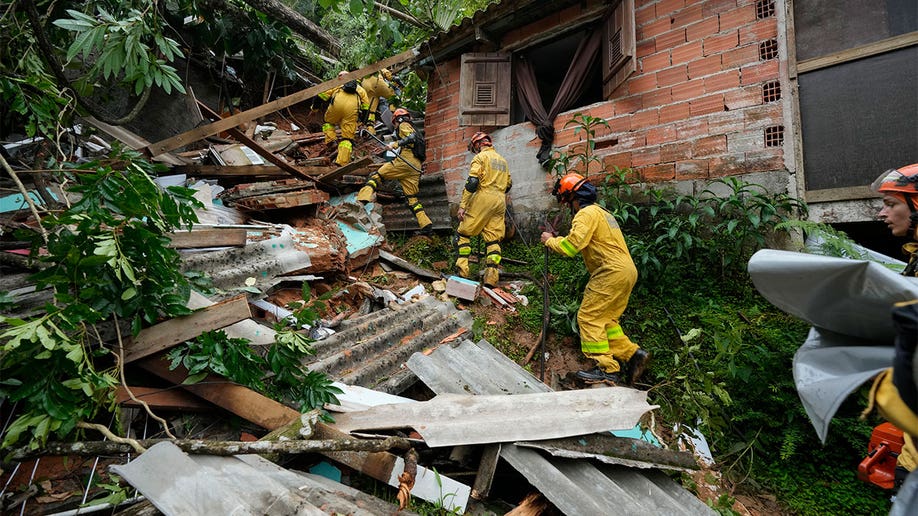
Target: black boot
637,364
426,230
597,375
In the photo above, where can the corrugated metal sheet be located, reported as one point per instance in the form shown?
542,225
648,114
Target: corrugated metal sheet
432,195
574,486
371,350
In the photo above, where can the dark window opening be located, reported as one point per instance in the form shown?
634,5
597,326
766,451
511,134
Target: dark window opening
764,9
771,91
768,49
774,136
550,62
874,235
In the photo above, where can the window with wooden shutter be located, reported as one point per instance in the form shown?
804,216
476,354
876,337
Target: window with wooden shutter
484,90
618,52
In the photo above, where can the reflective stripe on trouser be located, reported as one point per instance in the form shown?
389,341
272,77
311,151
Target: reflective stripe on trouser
604,300
492,260
366,193
344,152
463,249
329,130
415,206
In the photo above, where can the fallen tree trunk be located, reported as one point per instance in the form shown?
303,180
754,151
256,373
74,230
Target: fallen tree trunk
220,448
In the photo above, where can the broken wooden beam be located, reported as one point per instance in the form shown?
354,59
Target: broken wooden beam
196,238
160,399
175,331
224,124
340,171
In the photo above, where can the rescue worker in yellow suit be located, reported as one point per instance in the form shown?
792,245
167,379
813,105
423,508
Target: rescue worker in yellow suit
379,87
406,167
895,391
348,104
596,235
483,206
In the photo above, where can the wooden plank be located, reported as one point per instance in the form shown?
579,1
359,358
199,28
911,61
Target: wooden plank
167,399
175,331
840,194
239,400
340,171
207,238
870,49
260,171
224,124
252,144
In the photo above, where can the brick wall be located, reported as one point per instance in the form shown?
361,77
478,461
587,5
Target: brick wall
703,103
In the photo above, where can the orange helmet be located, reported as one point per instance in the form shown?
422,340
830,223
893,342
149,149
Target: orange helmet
478,139
566,186
903,180
401,113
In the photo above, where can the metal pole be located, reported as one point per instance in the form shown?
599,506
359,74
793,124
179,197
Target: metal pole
397,154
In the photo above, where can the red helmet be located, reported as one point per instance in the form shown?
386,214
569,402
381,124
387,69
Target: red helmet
904,180
401,113
477,140
567,186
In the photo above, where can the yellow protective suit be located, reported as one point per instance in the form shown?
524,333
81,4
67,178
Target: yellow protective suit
595,234
407,176
343,110
376,88
484,212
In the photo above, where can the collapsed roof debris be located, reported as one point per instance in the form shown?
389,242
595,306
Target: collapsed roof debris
277,215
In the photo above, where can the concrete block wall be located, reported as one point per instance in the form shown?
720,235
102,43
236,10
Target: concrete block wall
705,102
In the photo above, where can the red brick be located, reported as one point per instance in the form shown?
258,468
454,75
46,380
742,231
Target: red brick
645,14
658,97
674,112
671,76
765,160
704,66
762,30
670,39
570,14
667,7
699,30
646,47
741,56
654,28
604,110
729,122
619,159
738,17
645,156
710,104
743,97
765,71
620,124
686,53
662,134
645,118
709,145
692,128
675,152
628,105
688,90
658,173
691,169
729,165
721,43
762,116
642,83
687,16
712,7
722,81
655,62
632,140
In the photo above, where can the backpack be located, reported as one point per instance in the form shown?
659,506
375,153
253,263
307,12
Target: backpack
350,86
419,149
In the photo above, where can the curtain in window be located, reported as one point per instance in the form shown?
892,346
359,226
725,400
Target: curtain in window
571,89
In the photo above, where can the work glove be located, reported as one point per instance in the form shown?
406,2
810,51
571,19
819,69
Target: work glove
392,145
